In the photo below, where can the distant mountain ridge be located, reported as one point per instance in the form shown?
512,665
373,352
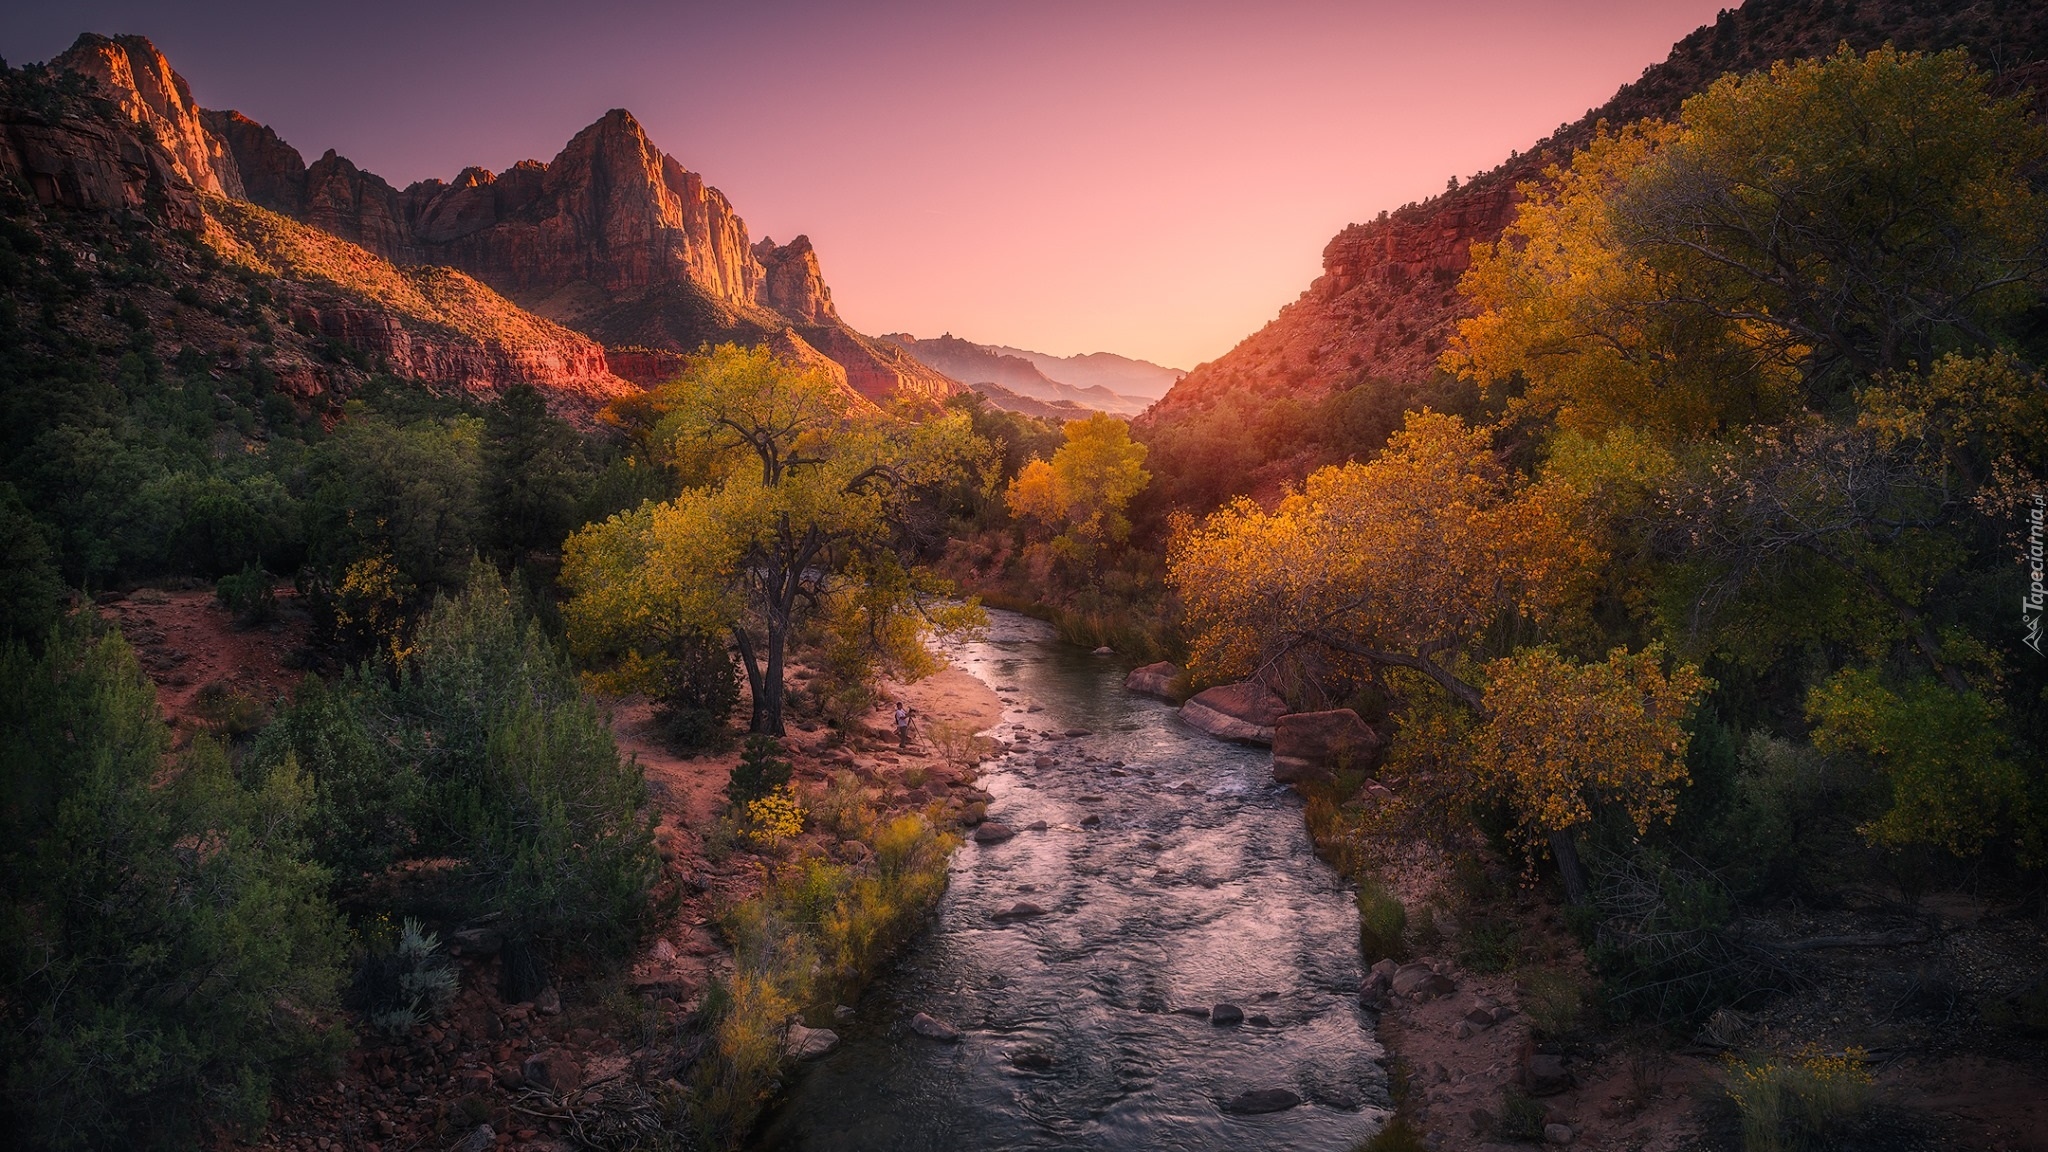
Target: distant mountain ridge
1078,381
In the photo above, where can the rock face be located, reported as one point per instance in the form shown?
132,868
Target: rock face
1387,302
1154,679
1245,713
791,282
1310,745
132,73
613,238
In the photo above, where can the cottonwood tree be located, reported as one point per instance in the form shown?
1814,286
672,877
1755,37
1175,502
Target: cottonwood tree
1791,235
804,487
1081,493
1408,562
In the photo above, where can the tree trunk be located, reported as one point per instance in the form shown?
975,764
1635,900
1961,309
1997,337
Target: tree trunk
755,688
768,705
1569,868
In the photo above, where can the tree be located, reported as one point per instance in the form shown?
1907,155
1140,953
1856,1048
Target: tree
800,486
1792,234
1402,562
535,476
1082,492
1410,563
1564,739
168,949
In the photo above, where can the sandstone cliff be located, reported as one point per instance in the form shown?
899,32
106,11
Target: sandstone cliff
131,72
613,238
1387,300
110,136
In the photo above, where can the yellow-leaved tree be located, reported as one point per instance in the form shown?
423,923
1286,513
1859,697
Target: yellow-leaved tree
1079,496
1417,561
810,504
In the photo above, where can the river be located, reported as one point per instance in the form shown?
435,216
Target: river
1087,1027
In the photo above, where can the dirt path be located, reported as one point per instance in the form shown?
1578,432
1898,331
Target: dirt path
188,644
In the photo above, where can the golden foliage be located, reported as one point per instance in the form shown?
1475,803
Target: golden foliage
1563,738
1418,550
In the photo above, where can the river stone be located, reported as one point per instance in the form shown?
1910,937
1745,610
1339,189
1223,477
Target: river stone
1261,1020
1557,1134
479,1139
993,833
1037,826
1090,821
1422,980
1105,650
1226,1014
933,1028
1153,680
809,1043
1032,1059
1309,746
1262,1100
1021,910
1244,713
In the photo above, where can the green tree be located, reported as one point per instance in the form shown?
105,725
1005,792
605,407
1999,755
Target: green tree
800,484
167,951
535,477
1082,492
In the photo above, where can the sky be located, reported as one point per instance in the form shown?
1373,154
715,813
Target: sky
1154,179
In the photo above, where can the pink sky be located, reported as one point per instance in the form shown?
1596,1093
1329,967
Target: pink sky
1154,179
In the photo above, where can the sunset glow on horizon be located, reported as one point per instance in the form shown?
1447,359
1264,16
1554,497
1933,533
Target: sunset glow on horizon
1151,179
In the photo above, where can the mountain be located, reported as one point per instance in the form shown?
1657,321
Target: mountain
1387,300
1119,374
1016,374
613,238
116,157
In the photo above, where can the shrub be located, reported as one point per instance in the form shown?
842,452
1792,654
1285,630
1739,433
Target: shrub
1521,1118
227,711
248,594
759,772
1489,945
841,808
1554,1002
1382,920
1397,1135
775,817
697,686
406,984
1801,1103
813,935
166,950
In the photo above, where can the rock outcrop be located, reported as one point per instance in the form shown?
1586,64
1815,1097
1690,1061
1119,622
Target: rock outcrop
131,72
791,282
1245,713
1311,745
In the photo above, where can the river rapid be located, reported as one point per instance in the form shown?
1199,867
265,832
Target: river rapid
1088,1027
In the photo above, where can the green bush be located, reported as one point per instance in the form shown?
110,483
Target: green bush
407,982
480,747
698,689
1489,945
759,771
1554,1002
167,951
1382,922
1397,1135
248,594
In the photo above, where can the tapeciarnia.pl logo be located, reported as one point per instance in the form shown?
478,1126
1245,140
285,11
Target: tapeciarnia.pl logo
2032,604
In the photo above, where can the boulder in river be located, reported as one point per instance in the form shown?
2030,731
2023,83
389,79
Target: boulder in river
1245,713
1154,680
1224,1015
933,1028
993,833
1021,910
809,1043
1261,1100
1311,745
